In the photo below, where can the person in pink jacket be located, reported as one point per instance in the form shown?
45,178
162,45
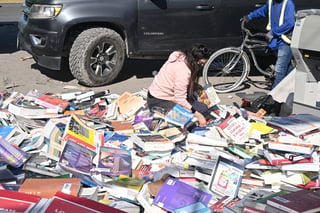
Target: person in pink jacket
177,82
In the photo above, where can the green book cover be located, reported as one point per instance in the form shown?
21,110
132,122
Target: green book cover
242,152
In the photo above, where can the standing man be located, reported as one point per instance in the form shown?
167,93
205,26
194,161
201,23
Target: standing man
281,15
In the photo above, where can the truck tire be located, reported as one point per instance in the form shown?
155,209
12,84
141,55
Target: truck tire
97,56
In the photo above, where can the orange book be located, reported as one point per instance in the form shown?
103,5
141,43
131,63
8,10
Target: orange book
122,126
47,187
129,104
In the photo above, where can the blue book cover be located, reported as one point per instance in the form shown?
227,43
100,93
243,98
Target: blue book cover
176,194
198,207
7,131
179,116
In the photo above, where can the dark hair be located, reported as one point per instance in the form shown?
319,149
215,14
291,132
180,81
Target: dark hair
193,55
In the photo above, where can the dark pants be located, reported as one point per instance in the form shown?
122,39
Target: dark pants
166,105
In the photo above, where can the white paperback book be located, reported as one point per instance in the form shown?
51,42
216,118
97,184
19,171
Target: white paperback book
298,124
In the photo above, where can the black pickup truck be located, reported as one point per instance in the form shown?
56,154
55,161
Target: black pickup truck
96,36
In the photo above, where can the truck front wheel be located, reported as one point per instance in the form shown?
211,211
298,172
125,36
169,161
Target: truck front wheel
97,56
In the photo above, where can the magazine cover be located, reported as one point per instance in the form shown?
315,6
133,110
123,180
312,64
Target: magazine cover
77,158
226,178
113,161
80,133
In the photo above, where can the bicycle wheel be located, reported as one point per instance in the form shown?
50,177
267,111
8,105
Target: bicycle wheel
226,69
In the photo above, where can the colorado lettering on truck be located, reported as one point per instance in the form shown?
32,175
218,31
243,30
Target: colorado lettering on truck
95,37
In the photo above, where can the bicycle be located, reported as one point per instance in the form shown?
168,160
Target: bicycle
227,68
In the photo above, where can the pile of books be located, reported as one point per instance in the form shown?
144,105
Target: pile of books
102,152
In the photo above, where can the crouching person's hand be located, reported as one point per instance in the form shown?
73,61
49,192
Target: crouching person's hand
201,119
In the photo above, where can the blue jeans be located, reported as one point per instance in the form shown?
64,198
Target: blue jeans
283,64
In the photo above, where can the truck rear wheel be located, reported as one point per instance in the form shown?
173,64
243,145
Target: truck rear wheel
97,56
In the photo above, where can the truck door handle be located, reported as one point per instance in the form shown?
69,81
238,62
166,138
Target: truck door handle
204,7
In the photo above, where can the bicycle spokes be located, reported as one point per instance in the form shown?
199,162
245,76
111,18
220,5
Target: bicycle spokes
233,64
227,69
226,65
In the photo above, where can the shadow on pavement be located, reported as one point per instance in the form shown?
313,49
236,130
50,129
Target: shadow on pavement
63,75
132,67
141,68
8,35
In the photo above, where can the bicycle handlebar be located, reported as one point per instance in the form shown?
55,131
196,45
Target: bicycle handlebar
247,31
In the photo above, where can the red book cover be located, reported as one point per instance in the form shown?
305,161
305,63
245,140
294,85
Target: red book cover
221,203
300,201
62,202
284,161
11,201
52,102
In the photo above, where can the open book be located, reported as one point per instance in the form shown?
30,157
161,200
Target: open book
298,124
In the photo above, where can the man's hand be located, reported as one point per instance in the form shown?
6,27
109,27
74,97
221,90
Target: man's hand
245,19
269,36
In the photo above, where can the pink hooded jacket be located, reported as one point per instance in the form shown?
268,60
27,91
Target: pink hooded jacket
171,83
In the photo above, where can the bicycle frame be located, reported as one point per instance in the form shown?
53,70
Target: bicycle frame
232,64
249,44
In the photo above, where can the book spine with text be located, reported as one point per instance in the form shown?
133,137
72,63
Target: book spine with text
291,147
